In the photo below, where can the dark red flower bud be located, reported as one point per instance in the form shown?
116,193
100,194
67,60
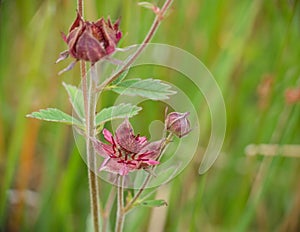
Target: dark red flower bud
90,41
178,123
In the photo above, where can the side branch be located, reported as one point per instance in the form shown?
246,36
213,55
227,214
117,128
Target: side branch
159,17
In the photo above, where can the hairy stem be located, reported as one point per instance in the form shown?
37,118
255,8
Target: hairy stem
159,17
120,209
90,106
90,101
80,7
84,86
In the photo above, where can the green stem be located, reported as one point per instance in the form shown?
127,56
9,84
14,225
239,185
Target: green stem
120,212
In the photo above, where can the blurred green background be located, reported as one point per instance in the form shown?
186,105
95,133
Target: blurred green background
251,47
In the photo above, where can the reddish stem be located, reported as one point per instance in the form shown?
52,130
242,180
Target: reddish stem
159,17
80,7
89,101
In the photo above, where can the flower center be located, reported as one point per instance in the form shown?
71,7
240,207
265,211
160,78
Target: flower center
126,157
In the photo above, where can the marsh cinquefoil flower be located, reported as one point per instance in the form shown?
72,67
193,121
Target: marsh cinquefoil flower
90,41
126,152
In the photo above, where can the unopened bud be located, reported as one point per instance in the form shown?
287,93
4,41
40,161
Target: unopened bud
178,123
90,41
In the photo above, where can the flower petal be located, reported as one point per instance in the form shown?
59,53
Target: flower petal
88,48
142,139
101,148
127,140
70,66
124,170
108,136
77,22
62,56
124,130
151,151
103,165
109,149
112,166
151,162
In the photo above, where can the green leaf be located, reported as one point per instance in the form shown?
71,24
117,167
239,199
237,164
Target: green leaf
128,197
121,77
149,88
54,115
114,112
76,99
154,203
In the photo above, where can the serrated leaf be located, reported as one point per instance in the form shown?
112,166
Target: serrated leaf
76,99
54,115
114,112
154,203
149,88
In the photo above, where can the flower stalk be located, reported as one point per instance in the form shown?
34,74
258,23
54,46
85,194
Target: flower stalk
120,209
89,101
80,6
90,131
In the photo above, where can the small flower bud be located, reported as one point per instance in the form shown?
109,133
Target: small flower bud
178,123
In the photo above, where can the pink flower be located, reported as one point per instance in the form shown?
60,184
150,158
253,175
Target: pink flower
126,152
